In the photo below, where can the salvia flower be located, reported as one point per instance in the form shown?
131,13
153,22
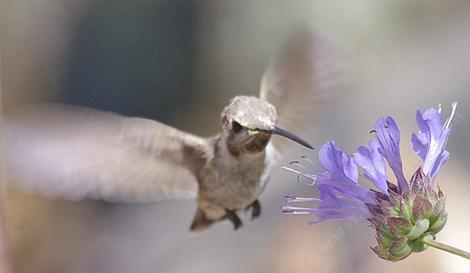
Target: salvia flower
404,212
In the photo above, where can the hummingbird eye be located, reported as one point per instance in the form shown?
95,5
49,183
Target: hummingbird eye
236,127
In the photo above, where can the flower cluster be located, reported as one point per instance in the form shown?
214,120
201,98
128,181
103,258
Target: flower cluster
402,213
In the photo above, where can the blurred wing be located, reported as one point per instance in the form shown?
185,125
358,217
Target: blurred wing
76,153
302,81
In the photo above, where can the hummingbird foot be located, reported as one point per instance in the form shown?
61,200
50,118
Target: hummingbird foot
255,209
233,217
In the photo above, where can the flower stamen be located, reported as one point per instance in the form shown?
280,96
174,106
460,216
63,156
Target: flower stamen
293,199
452,114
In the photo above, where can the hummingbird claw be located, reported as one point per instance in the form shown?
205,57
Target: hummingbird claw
255,209
233,217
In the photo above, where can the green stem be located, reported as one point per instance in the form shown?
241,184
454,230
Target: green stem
450,249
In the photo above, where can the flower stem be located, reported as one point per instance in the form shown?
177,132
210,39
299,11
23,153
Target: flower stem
444,247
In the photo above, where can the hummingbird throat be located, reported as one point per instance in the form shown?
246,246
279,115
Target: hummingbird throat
257,144
254,144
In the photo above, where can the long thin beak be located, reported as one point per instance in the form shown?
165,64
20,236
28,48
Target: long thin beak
283,132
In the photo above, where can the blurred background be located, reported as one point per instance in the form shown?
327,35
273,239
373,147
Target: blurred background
180,62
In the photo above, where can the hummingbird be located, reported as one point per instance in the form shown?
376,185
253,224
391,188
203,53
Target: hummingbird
76,153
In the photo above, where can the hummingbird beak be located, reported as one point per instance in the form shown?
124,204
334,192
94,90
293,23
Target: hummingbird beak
283,132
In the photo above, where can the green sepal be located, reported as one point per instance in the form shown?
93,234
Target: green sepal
398,226
418,229
422,208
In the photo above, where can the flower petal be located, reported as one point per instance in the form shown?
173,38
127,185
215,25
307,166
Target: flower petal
339,165
418,142
441,159
388,137
431,139
341,173
334,205
373,164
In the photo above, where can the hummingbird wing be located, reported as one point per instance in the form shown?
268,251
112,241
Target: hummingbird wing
76,153
300,83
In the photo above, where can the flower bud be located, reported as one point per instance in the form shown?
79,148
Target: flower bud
403,220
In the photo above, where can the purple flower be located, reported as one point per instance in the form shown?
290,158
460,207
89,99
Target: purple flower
402,213
431,139
372,163
388,137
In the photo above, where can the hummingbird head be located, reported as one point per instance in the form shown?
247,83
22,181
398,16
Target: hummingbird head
249,122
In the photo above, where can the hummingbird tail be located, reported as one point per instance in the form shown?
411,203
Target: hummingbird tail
200,222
